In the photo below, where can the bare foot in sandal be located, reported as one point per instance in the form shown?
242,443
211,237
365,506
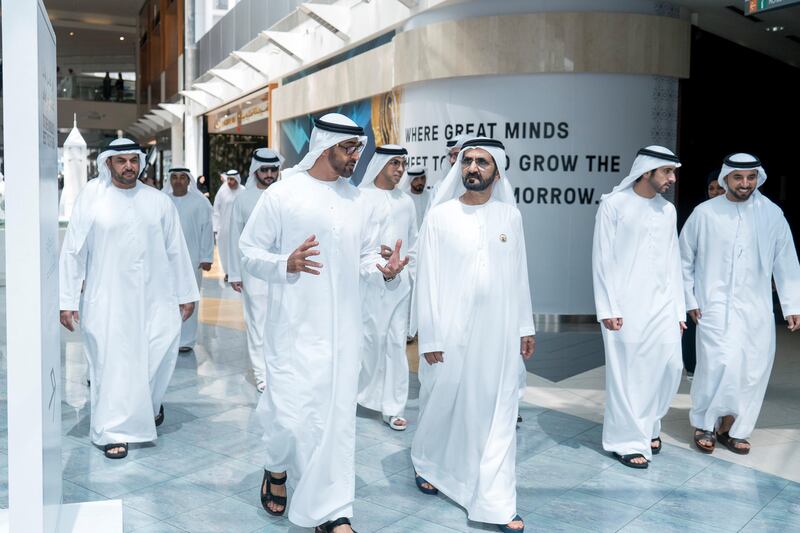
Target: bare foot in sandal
275,490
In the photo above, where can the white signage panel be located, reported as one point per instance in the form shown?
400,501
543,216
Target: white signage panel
569,139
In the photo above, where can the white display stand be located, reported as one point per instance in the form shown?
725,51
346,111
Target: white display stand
34,362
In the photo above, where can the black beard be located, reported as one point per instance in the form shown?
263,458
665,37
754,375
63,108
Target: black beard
266,182
482,185
122,179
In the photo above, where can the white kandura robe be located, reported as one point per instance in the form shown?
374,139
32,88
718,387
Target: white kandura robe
254,290
637,276
223,204
195,214
137,271
736,333
420,204
383,381
314,336
474,305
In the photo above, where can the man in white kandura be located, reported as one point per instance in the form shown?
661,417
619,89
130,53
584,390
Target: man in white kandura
414,186
732,247
223,204
195,215
638,296
314,328
125,246
475,324
265,168
383,382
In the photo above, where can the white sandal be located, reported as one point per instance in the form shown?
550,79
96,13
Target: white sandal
392,421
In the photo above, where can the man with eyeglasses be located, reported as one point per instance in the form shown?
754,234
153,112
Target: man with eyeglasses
312,238
265,168
475,326
383,382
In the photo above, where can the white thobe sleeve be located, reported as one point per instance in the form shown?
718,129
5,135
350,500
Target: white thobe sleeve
260,236
206,234
676,272
603,263
522,285
180,263
72,268
235,228
370,250
411,245
215,216
786,271
427,291
688,247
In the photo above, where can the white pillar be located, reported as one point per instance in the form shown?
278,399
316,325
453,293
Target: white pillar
34,361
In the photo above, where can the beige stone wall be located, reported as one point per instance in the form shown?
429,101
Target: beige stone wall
617,43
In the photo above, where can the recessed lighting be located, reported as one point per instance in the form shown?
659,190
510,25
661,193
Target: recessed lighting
121,37
248,102
72,34
775,28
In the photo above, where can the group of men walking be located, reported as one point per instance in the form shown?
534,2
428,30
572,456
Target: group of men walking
335,278
646,279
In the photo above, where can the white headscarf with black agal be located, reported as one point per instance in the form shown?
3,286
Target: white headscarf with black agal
453,186
744,161
264,157
411,173
647,159
167,189
328,131
84,210
383,154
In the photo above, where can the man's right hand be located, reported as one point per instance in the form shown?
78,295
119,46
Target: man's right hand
613,324
434,357
69,319
298,260
236,285
696,315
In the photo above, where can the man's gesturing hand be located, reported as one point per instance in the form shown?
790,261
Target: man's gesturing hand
434,357
527,345
613,324
69,319
298,260
186,310
394,265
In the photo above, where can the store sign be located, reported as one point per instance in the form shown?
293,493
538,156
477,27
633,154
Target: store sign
568,138
234,118
751,7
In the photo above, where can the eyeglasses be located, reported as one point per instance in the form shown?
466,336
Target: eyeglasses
268,169
352,149
397,162
482,163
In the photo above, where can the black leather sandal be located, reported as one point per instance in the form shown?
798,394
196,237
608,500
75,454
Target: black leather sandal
160,416
657,449
701,434
627,460
328,527
267,496
116,455
730,442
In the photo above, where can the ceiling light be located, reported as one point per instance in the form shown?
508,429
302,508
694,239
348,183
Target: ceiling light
72,34
248,102
121,37
775,28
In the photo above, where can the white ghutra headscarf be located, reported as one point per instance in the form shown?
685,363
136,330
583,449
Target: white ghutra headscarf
647,159
383,154
328,131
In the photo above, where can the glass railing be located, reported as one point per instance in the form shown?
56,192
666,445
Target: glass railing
92,88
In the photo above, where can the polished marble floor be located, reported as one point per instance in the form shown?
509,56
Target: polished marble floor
203,472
